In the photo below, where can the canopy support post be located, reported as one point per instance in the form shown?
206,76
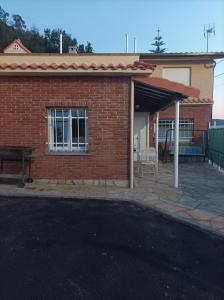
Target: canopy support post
157,140
132,100
176,149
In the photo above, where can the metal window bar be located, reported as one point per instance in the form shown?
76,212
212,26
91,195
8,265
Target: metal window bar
63,132
56,133
68,145
70,129
85,132
49,130
186,129
78,129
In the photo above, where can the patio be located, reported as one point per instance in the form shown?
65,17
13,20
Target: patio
198,201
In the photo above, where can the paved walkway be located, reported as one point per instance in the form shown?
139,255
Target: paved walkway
199,200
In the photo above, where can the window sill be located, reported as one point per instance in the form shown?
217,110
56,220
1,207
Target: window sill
68,153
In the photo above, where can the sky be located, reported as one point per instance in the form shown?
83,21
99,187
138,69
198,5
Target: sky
105,22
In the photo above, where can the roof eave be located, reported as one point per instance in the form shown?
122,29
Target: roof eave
173,87
75,72
196,55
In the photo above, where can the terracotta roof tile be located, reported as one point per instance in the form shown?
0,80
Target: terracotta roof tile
169,85
193,100
137,65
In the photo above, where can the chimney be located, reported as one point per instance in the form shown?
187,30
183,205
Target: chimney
72,50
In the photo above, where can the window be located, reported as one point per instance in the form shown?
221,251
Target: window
166,128
68,130
181,75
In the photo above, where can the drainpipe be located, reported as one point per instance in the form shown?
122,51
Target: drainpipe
132,136
157,139
176,149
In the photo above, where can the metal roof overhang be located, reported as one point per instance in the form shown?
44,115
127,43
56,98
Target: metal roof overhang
155,94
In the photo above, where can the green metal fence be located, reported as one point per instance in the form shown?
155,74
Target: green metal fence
216,146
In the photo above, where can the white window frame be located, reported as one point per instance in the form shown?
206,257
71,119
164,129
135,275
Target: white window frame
67,116
184,135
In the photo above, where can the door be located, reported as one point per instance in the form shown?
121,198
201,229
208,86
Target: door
140,133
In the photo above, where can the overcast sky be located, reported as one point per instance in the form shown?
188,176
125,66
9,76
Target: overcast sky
105,22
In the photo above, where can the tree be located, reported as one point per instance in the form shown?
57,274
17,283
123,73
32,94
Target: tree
52,40
3,15
88,48
18,22
49,42
33,40
158,43
81,48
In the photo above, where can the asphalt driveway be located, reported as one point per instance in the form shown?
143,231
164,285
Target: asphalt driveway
96,249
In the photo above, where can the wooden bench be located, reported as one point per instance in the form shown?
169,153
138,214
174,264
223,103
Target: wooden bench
20,154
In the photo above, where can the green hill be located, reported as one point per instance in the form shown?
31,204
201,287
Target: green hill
13,27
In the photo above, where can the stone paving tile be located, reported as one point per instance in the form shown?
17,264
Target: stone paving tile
199,200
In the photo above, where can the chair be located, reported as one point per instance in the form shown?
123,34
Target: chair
148,161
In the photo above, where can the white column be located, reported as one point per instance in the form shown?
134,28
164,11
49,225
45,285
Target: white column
147,130
132,136
176,150
157,139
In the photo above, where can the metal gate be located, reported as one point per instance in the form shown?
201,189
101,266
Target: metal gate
192,143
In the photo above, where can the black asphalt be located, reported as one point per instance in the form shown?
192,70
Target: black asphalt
95,249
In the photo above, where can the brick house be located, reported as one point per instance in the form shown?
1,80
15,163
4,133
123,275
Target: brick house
77,111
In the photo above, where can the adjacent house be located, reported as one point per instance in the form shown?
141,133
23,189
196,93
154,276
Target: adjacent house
192,69
80,112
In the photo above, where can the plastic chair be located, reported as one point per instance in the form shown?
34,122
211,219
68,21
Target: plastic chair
148,161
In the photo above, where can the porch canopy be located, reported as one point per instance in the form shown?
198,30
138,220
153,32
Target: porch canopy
153,94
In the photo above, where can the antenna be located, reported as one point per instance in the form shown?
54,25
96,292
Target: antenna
135,45
126,47
208,31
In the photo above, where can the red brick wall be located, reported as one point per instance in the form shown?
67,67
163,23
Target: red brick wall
201,115
23,121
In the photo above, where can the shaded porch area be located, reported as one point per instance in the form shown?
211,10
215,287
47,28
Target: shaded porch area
151,95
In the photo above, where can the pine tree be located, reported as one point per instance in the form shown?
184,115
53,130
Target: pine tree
18,22
88,48
158,43
3,15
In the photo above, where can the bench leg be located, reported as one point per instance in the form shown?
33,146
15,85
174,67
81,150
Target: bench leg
21,183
